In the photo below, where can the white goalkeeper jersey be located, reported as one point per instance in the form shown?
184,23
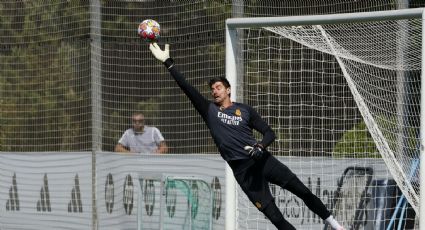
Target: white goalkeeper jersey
146,142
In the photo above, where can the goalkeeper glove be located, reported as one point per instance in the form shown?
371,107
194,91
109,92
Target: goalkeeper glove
161,55
257,152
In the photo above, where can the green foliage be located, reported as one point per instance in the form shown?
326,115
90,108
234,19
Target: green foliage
150,108
42,92
356,143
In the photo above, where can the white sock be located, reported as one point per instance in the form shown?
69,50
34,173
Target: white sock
333,222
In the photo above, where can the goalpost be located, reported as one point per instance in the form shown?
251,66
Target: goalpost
377,56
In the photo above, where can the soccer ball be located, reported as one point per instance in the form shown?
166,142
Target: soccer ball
149,30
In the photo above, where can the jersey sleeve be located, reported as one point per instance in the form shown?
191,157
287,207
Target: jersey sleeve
257,123
200,102
124,139
157,136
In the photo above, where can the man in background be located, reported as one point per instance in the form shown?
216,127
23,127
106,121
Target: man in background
141,138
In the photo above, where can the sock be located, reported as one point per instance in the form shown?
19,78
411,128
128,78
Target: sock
333,222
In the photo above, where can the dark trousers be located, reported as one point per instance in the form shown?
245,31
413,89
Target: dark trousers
296,187
254,178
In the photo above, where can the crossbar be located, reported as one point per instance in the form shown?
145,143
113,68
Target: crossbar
234,23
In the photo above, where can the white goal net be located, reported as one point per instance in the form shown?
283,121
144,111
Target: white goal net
318,76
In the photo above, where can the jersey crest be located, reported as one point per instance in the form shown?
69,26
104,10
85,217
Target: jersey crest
238,112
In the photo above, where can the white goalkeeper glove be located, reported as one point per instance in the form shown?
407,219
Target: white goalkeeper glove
159,54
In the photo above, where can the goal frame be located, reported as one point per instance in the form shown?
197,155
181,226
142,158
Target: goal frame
233,67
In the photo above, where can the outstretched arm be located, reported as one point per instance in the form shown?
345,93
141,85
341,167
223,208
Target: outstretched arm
199,101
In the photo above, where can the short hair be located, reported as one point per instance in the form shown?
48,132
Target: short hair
219,79
137,114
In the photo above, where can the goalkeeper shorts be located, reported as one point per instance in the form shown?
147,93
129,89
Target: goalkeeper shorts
254,178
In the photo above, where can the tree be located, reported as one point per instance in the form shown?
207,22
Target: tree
356,143
44,76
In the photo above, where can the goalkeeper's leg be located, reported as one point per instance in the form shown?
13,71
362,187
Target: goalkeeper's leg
272,212
253,182
296,187
278,174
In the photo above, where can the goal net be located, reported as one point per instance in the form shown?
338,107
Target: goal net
349,83
351,208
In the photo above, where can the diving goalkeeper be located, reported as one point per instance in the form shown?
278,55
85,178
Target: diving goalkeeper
231,125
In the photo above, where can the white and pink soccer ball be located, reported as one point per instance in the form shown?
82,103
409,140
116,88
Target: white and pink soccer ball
149,30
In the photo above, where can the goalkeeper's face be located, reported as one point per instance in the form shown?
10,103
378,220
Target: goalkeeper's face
220,93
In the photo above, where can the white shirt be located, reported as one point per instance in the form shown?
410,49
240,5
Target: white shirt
145,142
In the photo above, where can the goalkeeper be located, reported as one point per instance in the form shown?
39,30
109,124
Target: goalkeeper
231,125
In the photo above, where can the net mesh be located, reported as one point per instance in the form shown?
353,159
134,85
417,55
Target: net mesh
72,73
314,82
381,62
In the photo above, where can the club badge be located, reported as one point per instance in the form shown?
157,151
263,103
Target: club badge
238,112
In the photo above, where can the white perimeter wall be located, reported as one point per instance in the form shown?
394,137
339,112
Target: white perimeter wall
54,190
